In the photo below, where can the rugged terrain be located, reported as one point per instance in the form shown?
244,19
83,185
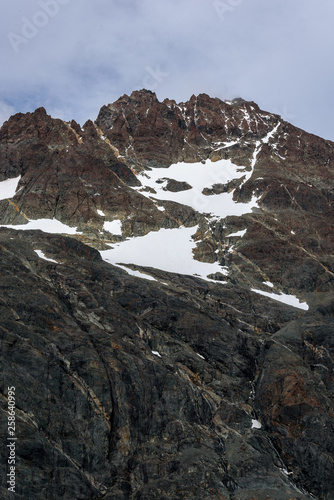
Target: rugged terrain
167,303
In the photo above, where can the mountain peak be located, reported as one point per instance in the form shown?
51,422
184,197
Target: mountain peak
167,288
144,94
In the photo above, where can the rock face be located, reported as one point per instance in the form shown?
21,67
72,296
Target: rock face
173,386
148,132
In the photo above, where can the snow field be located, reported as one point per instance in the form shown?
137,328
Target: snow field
199,176
167,249
53,226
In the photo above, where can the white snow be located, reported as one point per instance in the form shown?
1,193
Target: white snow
256,424
239,233
114,227
290,300
101,213
282,157
200,356
53,226
259,144
271,134
8,188
256,152
286,472
246,115
268,283
224,145
42,256
200,175
156,353
137,274
167,249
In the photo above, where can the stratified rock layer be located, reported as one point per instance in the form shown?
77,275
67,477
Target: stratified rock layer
130,389
176,387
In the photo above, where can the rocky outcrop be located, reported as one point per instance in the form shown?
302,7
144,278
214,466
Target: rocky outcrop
170,386
295,397
131,389
71,174
288,241
152,133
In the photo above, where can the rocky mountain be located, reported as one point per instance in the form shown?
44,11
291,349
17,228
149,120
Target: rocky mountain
167,303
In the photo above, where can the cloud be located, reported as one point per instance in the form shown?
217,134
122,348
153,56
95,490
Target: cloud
84,54
6,112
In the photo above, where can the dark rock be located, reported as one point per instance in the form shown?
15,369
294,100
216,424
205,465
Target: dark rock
97,411
295,398
176,186
129,388
222,188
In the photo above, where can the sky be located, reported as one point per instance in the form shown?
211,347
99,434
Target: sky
74,56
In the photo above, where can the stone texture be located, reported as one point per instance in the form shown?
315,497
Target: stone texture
135,389
69,173
295,397
153,133
99,415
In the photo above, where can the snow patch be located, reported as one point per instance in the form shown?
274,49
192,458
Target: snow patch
114,227
259,144
270,134
137,274
8,188
256,152
239,233
53,226
290,300
156,353
42,256
256,424
167,249
101,213
224,145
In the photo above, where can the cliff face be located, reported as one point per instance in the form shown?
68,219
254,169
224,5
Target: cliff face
212,377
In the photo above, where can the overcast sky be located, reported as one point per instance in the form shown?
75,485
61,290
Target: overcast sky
73,56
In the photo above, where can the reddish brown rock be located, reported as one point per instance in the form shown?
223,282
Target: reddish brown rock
101,414
69,173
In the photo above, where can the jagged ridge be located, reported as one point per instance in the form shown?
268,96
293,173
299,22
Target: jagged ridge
162,379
